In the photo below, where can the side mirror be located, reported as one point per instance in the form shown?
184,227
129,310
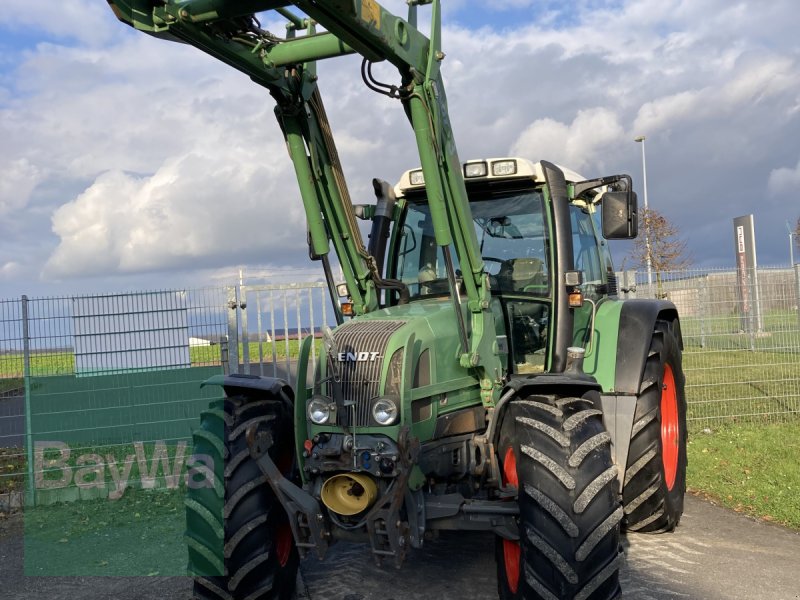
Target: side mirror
620,215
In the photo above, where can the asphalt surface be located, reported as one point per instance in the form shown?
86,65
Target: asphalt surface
714,555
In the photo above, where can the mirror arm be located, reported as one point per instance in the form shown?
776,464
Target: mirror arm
582,187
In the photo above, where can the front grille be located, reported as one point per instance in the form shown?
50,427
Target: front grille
361,379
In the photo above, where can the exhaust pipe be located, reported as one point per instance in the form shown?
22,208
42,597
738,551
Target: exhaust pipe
349,493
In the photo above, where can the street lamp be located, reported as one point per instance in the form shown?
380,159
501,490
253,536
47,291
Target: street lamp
791,244
640,139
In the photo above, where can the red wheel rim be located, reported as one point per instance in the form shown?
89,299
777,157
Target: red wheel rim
511,549
283,543
670,427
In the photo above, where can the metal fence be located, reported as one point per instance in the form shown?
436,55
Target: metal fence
115,370
94,375
741,338
118,376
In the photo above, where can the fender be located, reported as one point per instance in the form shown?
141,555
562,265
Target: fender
636,323
241,384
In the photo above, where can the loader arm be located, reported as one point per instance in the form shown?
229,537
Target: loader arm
229,31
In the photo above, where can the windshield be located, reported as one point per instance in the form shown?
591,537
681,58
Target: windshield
512,236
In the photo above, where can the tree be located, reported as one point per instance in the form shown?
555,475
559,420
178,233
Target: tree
659,237
797,233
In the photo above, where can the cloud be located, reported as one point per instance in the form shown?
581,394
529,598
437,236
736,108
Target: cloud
748,86
579,145
784,180
19,179
10,270
120,151
196,209
83,20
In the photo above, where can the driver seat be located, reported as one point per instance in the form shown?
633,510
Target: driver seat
521,274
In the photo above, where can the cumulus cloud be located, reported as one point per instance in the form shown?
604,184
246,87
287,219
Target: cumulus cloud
747,87
784,180
19,179
126,154
83,20
579,144
196,209
10,270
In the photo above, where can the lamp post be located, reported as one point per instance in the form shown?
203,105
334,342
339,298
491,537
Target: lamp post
791,244
640,139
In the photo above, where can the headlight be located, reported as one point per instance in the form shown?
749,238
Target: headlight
394,373
384,411
504,167
320,409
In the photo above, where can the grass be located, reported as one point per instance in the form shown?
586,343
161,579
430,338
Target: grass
139,535
740,383
750,468
14,463
63,362
12,469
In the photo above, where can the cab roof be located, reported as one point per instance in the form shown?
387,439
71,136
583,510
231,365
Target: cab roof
487,169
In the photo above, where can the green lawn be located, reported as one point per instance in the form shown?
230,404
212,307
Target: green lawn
755,385
751,468
139,535
63,362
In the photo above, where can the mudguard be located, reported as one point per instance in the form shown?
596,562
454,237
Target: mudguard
241,384
636,323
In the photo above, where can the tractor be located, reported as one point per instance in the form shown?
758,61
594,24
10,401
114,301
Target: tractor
484,373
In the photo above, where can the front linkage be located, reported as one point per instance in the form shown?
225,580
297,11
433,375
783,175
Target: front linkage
389,535
395,521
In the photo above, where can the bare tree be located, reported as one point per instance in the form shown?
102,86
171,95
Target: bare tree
660,238
797,233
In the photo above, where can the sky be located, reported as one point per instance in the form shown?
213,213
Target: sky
131,163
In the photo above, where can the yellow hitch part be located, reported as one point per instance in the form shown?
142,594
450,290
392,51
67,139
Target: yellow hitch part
349,493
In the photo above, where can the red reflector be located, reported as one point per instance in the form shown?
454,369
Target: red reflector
308,444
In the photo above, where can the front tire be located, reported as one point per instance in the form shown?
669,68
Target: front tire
655,476
556,452
238,535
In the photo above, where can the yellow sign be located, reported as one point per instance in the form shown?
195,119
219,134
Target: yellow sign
371,13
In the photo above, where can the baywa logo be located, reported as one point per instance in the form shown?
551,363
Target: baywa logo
357,356
113,474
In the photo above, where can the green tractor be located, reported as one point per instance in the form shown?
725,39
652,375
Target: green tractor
483,375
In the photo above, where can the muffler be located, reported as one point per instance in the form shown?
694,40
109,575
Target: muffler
349,493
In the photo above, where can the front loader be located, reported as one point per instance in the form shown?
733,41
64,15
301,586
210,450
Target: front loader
483,373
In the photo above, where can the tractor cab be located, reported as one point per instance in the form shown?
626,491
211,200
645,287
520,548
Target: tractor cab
514,226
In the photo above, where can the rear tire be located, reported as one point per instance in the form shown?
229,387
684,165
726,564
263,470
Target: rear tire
239,539
655,476
557,453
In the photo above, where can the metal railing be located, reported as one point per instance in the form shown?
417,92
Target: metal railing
115,370
741,350
120,374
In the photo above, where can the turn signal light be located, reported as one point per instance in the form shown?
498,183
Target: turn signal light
347,309
575,299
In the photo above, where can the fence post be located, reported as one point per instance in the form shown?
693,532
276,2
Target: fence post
233,330
245,333
797,291
702,309
30,500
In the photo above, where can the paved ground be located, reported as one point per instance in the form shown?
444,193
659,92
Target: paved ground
714,555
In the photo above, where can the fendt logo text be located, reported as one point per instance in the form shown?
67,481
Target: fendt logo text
357,356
